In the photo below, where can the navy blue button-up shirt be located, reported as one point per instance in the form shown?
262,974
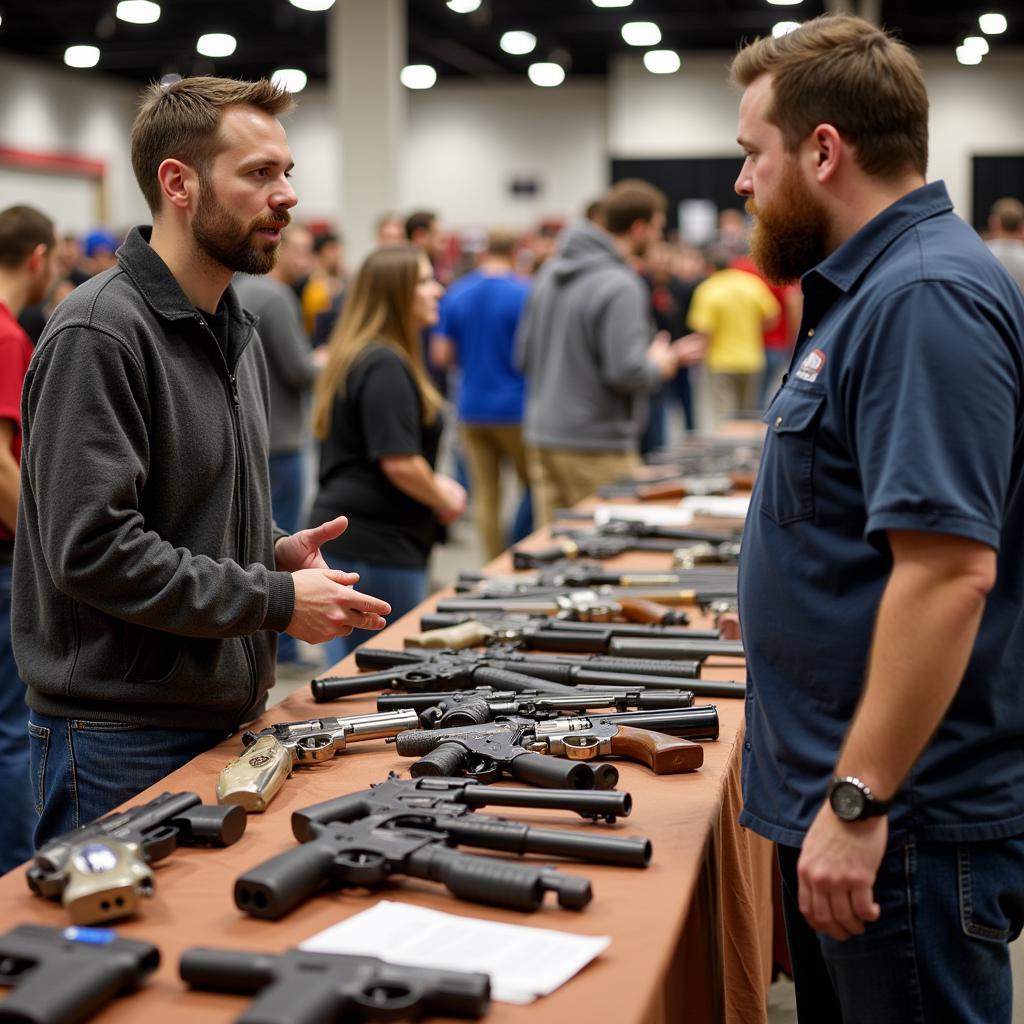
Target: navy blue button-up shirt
903,410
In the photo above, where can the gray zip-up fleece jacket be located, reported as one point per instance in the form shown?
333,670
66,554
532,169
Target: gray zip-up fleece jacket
582,346
144,589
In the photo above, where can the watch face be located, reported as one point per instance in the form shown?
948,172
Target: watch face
847,801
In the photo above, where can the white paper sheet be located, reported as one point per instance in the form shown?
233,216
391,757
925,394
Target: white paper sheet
655,515
523,962
716,506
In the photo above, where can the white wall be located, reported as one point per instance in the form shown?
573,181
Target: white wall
974,111
50,110
467,141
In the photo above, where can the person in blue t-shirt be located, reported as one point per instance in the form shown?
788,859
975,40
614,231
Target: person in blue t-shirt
476,332
883,557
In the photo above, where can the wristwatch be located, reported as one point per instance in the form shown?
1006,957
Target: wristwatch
852,800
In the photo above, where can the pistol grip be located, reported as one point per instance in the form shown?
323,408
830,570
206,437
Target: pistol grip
459,637
253,778
664,755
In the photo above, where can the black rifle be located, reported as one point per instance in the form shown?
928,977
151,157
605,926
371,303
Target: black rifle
415,837
569,575
451,797
470,707
553,601
99,871
296,987
522,748
472,629
571,670
504,669
65,975
687,650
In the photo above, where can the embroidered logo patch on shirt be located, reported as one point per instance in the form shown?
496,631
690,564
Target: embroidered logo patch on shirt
813,364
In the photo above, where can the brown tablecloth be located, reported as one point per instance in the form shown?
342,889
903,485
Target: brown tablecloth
691,935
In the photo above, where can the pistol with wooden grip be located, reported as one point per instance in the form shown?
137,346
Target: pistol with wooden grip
556,753
253,778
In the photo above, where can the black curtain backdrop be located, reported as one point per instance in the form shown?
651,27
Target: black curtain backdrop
992,178
687,178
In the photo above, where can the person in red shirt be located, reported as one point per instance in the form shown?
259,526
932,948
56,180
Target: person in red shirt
26,271
778,340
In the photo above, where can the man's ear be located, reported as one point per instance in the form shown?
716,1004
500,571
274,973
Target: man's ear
179,183
828,151
37,257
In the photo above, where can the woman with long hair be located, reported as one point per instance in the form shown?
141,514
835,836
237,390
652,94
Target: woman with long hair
378,417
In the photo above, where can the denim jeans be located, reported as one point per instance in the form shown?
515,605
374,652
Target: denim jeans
939,951
287,493
81,770
17,819
403,588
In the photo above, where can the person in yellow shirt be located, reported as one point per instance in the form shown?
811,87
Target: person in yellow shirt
732,310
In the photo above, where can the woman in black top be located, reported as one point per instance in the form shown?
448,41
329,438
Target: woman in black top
378,417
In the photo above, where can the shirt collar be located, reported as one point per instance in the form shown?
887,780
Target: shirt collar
851,260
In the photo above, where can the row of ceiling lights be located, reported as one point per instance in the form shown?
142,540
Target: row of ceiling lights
516,42
974,48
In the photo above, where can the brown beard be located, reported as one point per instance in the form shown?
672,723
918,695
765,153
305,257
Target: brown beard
225,239
790,233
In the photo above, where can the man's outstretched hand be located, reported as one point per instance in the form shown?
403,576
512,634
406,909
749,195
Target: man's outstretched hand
302,550
326,606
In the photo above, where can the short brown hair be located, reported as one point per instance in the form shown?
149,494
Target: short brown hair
843,71
182,121
631,200
1008,213
502,243
22,228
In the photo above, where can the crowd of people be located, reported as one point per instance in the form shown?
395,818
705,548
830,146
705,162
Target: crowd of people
163,531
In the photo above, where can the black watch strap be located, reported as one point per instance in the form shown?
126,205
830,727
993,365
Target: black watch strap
852,800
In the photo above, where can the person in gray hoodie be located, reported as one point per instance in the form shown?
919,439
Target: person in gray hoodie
585,348
149,580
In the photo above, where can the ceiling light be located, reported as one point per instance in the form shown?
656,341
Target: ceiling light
518,42
138,12
216,44
641,33
289,79
977,43
783,28
463,6
785,3
417,76
313,5
966,55
546,74
992,24
82,56
612,3
662,62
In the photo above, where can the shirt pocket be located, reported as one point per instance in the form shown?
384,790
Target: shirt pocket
787,471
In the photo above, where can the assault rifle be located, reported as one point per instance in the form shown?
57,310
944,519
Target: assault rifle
457,631
296,987
505,668
522,748
470,707
606,541
364,839
99,871
253,779
65,975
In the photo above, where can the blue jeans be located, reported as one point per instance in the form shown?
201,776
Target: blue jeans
17,818
287,491
81,770
401,587
522,522
939,951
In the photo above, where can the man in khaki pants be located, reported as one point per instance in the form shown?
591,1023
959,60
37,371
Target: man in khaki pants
585,348
479,317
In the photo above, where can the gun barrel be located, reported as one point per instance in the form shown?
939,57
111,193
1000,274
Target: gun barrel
631,647
278,885
697,723
512,837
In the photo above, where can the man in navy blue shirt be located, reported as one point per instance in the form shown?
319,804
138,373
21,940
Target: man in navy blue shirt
883,560
479,317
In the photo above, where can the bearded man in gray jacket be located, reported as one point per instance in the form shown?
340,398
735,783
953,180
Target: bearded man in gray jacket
149,580
585,348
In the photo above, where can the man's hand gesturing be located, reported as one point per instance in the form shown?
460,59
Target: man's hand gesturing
302,550
326,606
